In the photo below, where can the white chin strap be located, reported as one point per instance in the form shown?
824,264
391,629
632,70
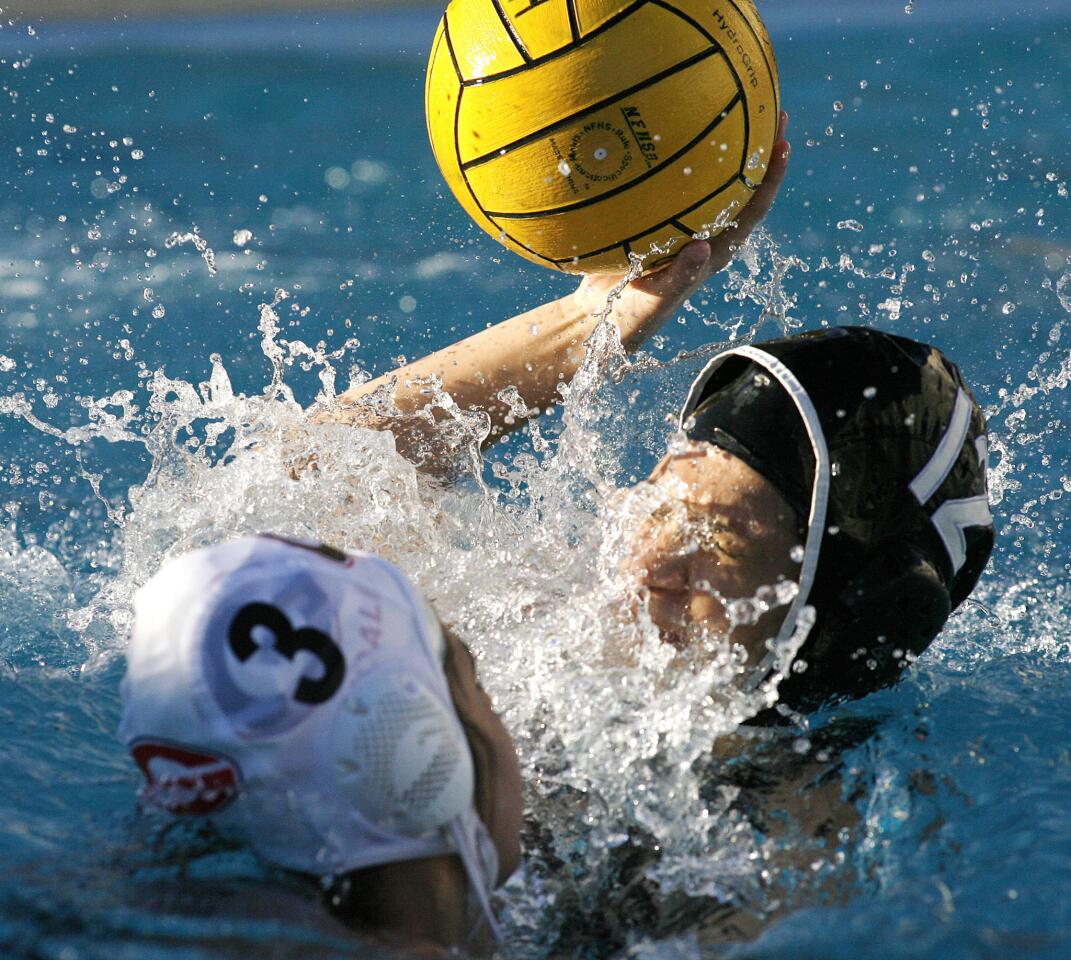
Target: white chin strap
480,860
816,520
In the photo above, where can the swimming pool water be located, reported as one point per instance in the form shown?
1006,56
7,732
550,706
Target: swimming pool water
927,195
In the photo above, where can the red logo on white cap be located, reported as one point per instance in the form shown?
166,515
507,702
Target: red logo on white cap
181,780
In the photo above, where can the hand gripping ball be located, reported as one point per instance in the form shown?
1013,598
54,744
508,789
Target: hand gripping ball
578,132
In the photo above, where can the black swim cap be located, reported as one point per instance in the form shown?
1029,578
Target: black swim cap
877,443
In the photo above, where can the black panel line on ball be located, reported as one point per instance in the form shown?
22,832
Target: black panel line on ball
434,51
684,228
591,108
658,226
710,196
457,141
647,174
747,139
512,30
728,61
453,56
689,20
696,25
457,154
765,59
574,25
562,51
550,263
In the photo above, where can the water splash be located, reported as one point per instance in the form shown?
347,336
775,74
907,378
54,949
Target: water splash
200,245
615,728
610,721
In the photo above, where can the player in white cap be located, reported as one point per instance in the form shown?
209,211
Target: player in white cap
310,702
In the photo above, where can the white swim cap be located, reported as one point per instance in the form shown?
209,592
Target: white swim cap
296,695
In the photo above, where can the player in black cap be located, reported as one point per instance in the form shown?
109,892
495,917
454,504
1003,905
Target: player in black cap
880,449
864,449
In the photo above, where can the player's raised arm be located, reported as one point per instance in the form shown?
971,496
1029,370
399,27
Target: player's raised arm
536,351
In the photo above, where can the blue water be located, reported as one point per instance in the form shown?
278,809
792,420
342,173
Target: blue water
933,202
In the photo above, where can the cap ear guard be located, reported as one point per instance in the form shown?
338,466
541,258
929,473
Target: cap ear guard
875,627
401,759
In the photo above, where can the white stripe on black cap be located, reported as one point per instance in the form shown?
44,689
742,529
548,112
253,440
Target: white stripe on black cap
816,520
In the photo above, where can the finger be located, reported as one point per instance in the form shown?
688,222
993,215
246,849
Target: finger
686,271
762,200
700,258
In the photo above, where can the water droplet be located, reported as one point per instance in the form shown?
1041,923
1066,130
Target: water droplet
158,311
837,106
563,168
1008,309
369,172
854,225
337,178
797,554
870,393
242,237
137,154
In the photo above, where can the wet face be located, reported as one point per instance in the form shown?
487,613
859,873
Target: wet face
716,532
499,801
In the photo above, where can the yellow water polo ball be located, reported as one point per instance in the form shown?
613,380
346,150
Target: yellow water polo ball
578,132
